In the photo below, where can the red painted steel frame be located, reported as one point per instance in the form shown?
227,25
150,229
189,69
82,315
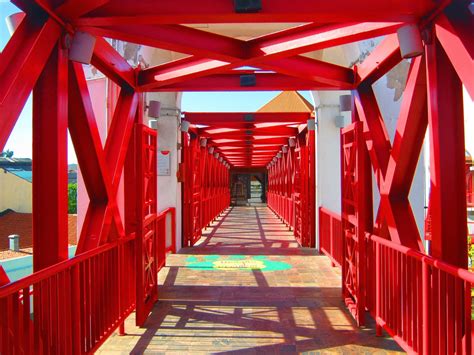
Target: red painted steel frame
424,302
206,188
291,188
50,230
146,236
353,210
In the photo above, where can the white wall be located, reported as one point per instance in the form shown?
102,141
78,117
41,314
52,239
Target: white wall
169,190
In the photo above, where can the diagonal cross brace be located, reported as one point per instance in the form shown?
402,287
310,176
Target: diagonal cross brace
101,168
394,167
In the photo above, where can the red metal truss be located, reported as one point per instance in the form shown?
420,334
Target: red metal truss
21,64
423,301
206,189
273,52
269,52
209,11
447,158
50,112
216,118
231,82
247,143
291,187
394,167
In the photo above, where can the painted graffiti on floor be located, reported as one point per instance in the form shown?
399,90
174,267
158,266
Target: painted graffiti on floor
232,262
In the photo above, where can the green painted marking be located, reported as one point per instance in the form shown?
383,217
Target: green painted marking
233,262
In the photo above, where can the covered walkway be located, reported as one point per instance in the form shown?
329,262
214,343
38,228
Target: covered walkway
247,287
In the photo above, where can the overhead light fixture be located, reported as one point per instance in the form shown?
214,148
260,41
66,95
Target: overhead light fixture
221,159
247,6
82,47
153,124
211,150
154,108
345,103
279,155
339,121
311,124
409,37
275,159
248,117
216,155
292,142
13,21
284,149
247,80
185,126
203,142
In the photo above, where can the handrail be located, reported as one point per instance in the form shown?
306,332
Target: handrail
330,213
465,274
163,213
61,266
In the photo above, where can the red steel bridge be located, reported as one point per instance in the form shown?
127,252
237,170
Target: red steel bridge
423,301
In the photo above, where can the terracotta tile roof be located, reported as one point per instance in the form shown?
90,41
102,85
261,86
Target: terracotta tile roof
288,101
21,224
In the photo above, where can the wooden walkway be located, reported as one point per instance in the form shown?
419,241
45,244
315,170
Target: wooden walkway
248,288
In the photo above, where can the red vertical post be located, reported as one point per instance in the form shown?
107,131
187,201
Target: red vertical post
312,187
50,198
448,184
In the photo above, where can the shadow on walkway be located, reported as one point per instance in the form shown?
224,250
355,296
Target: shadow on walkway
248,288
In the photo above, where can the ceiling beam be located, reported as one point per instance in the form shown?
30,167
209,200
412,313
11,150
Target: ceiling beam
211,11
231,82
252,117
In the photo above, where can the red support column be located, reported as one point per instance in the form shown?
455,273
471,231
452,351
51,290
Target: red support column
50,198
448,185
312,187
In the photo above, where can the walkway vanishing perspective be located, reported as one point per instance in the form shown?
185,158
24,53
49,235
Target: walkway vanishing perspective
248,288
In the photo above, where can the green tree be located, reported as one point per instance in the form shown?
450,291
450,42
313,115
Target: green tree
72,198
7,154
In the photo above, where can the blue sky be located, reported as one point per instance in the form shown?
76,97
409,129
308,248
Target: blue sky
20,139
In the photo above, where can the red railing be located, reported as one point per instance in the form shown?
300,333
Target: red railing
422,302
283,206
330,235
166,227
75,305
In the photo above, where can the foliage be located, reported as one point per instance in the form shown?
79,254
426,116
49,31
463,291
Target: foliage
72,198
6,154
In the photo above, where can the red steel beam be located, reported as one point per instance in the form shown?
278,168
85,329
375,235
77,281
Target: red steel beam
229,82
456,39
407,144
244,135
227,52
215,118
210,11
211,132
447,160
120,132
21,63
378,142
112,64
313,38
255,143
50,192
383,58
102,211
272,148
176,38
